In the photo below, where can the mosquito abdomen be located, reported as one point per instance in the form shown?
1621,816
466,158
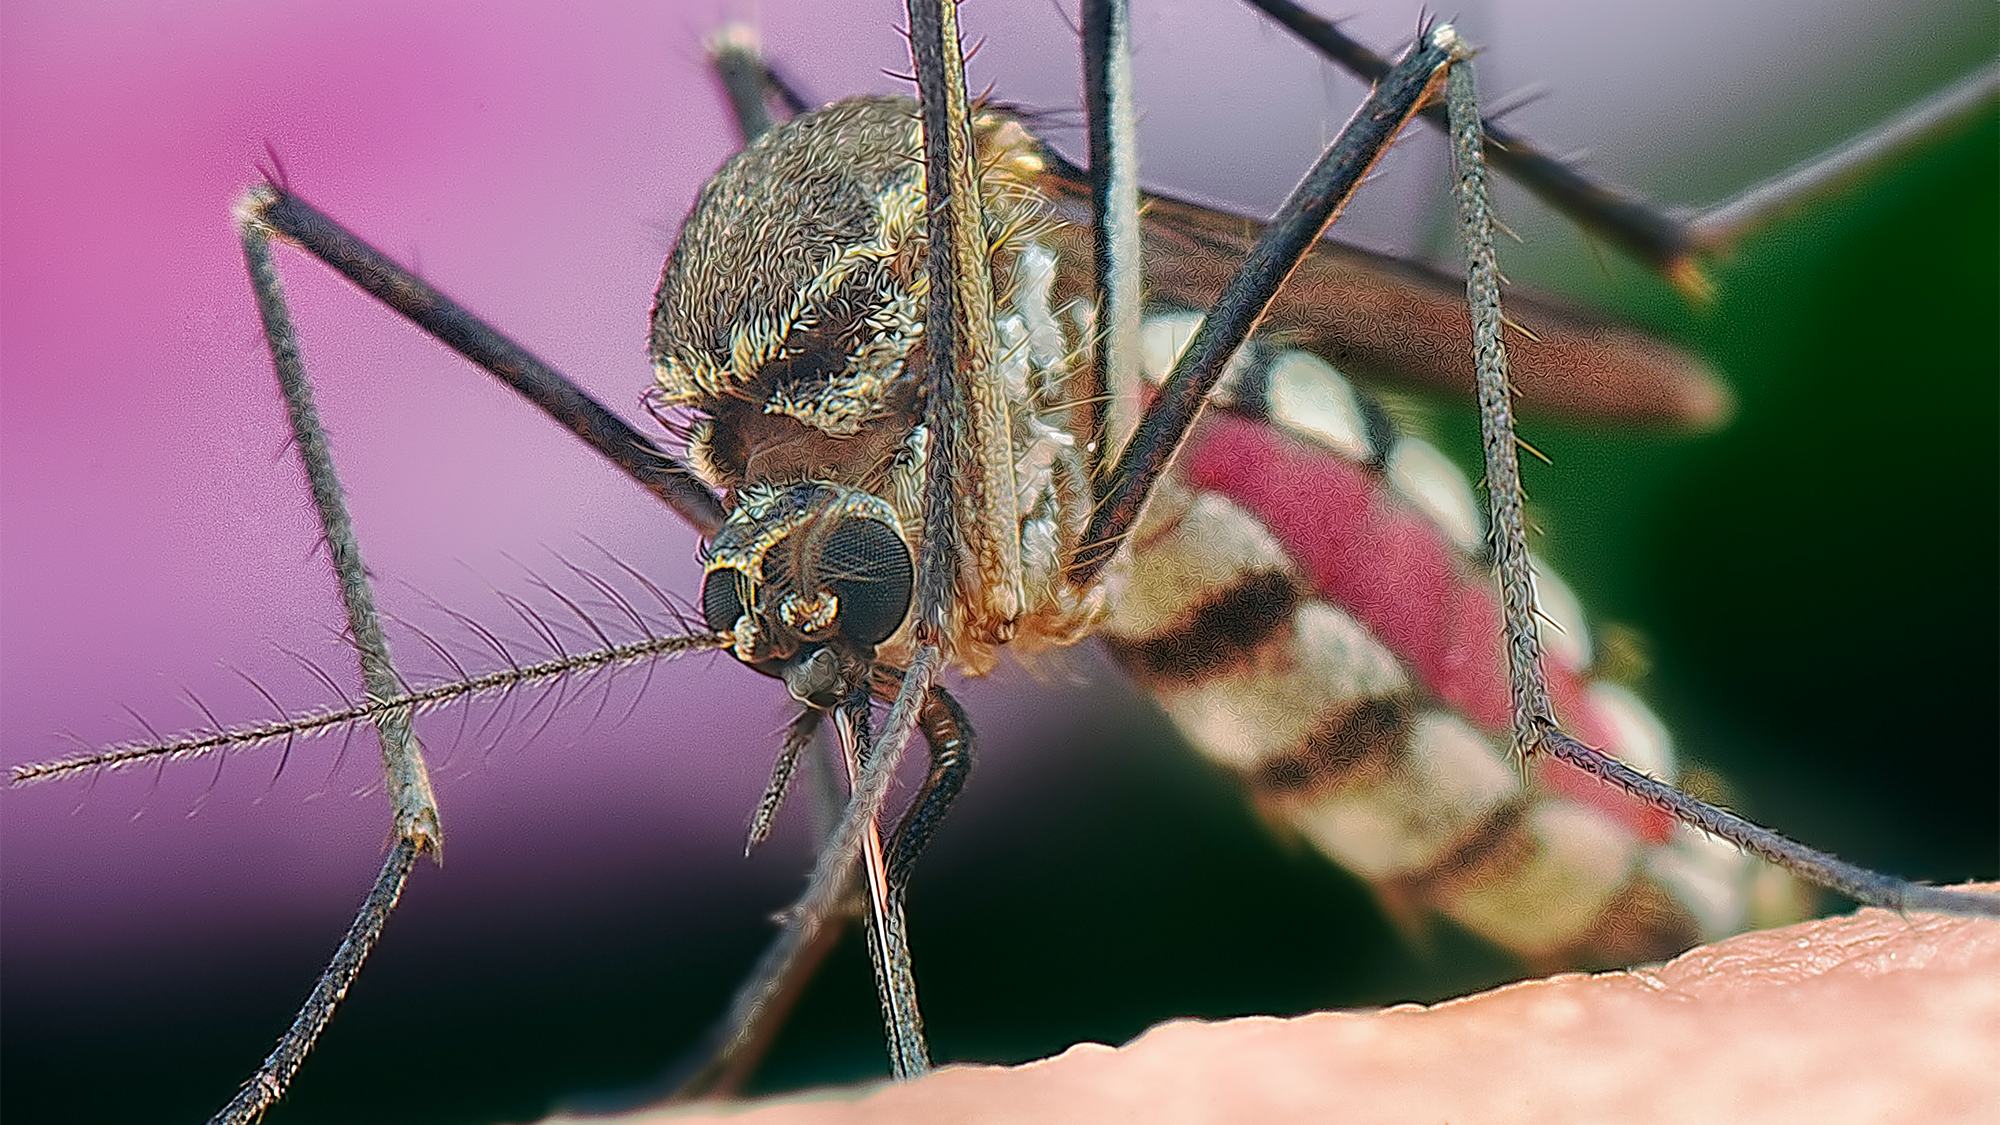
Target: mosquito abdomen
1309,603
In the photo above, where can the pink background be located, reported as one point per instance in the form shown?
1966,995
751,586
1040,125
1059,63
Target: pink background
534,162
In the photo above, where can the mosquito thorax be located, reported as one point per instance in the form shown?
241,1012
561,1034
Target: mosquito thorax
789,325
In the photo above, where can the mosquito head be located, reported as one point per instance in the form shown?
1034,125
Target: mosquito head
808,577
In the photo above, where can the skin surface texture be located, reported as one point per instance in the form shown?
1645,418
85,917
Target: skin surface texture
1862,1018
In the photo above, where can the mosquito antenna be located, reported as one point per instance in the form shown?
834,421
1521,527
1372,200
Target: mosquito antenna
677,609
158,773
618,601
610,593
284,755
213,723
334,688
352,712
446,658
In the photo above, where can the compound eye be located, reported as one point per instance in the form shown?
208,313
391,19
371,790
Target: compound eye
867,566
722,591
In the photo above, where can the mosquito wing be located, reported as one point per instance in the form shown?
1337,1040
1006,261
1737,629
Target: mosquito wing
1389,320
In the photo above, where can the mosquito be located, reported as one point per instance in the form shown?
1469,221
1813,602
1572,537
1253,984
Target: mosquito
168,801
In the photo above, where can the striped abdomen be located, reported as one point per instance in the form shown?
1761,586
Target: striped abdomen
1308,602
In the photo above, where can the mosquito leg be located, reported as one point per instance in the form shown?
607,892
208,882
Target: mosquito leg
267,1085
726,1057
1298,225
1870,888
948,734
1534,714
408,780
1106,394
1535,727
749,82
280,212
970,482
405,776
1655,237
1719,227
959,339
739,66
1668,241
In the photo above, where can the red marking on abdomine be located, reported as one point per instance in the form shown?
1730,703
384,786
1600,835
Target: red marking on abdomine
1395,571
1379,560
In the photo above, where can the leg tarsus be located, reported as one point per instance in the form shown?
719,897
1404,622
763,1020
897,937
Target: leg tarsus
1867,887
405,776
268,1084
948,734
1536,730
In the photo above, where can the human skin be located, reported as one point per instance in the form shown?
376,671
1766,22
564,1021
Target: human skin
1866,1017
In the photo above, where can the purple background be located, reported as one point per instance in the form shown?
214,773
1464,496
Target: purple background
535,162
